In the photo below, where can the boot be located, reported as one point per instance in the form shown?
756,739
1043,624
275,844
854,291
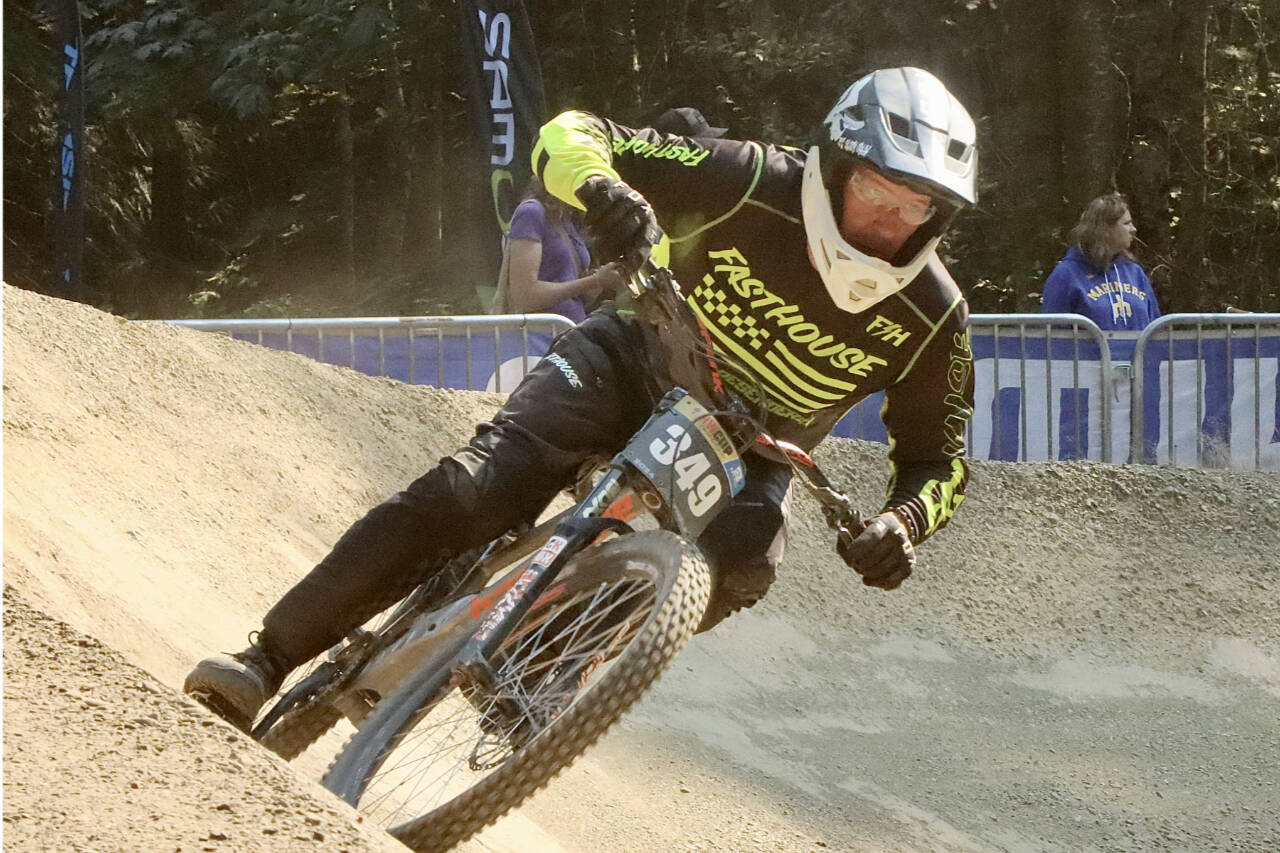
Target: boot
236,686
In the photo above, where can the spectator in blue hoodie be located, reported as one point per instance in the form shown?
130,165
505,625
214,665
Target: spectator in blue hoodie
1098,277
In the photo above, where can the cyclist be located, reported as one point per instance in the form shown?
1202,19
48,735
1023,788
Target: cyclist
816,270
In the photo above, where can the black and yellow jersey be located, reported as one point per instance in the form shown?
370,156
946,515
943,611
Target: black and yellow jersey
731,210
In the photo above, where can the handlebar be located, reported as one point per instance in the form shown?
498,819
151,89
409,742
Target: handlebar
692,357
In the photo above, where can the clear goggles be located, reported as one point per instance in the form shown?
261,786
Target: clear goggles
866,189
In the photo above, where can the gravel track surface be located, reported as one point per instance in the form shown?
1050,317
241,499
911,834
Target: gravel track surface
1087,659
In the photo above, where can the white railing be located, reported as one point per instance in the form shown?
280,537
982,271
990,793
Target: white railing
1205,391
407,348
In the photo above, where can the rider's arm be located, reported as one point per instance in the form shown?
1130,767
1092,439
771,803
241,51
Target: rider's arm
926,412
575,146
571,148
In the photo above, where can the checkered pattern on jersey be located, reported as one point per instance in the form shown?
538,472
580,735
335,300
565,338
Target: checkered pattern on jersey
713,303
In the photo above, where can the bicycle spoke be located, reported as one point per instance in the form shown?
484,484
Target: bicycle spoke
539,672
434,768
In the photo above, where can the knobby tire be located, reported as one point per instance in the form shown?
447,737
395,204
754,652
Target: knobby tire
682,586
299,728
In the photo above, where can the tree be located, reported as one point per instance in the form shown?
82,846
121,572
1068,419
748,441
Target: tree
270,156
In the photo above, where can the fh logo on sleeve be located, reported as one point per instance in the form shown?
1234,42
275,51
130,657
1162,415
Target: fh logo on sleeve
887,330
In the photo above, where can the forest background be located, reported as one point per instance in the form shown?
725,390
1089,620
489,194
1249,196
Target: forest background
315,157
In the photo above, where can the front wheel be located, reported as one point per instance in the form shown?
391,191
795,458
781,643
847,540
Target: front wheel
443,756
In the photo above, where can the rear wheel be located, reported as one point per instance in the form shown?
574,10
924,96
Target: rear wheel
443,756
300,726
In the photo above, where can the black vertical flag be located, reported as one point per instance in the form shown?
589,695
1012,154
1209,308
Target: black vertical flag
68,207
507,108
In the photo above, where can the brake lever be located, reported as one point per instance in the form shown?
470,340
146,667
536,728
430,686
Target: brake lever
838,511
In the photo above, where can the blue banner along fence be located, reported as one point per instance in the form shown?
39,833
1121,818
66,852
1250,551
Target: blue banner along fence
1034,398
446,361
1206,398
464,352
1210,391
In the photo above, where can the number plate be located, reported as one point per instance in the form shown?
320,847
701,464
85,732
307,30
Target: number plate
690,460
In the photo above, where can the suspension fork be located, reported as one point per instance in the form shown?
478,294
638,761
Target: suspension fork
582,526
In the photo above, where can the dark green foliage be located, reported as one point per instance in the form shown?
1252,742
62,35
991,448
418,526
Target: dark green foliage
30,83
315,157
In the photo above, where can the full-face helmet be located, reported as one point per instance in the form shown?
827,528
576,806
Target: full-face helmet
904,124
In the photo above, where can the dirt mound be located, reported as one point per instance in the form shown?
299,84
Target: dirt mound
1087,658
94,745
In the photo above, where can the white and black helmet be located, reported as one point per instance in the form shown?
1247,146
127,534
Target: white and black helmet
903,123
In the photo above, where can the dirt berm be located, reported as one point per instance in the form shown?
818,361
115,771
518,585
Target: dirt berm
1087,659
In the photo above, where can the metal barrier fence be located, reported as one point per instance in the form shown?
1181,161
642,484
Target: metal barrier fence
1050,350
1225,368
411,349
1047,386
1043,389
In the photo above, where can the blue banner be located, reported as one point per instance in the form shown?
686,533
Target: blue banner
1208,400
1035,399
465,363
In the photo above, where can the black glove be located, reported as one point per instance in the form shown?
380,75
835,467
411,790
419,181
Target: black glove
882,553
620,221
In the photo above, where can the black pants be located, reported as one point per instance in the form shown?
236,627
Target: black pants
586,398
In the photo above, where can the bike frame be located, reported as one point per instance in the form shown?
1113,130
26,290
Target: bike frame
463,635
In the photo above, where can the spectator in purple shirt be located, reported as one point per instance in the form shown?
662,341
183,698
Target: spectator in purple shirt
549,264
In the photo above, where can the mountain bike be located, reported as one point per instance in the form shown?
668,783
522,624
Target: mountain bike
487,680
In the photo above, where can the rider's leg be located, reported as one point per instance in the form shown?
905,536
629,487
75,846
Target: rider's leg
584,399
376,562
745,543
